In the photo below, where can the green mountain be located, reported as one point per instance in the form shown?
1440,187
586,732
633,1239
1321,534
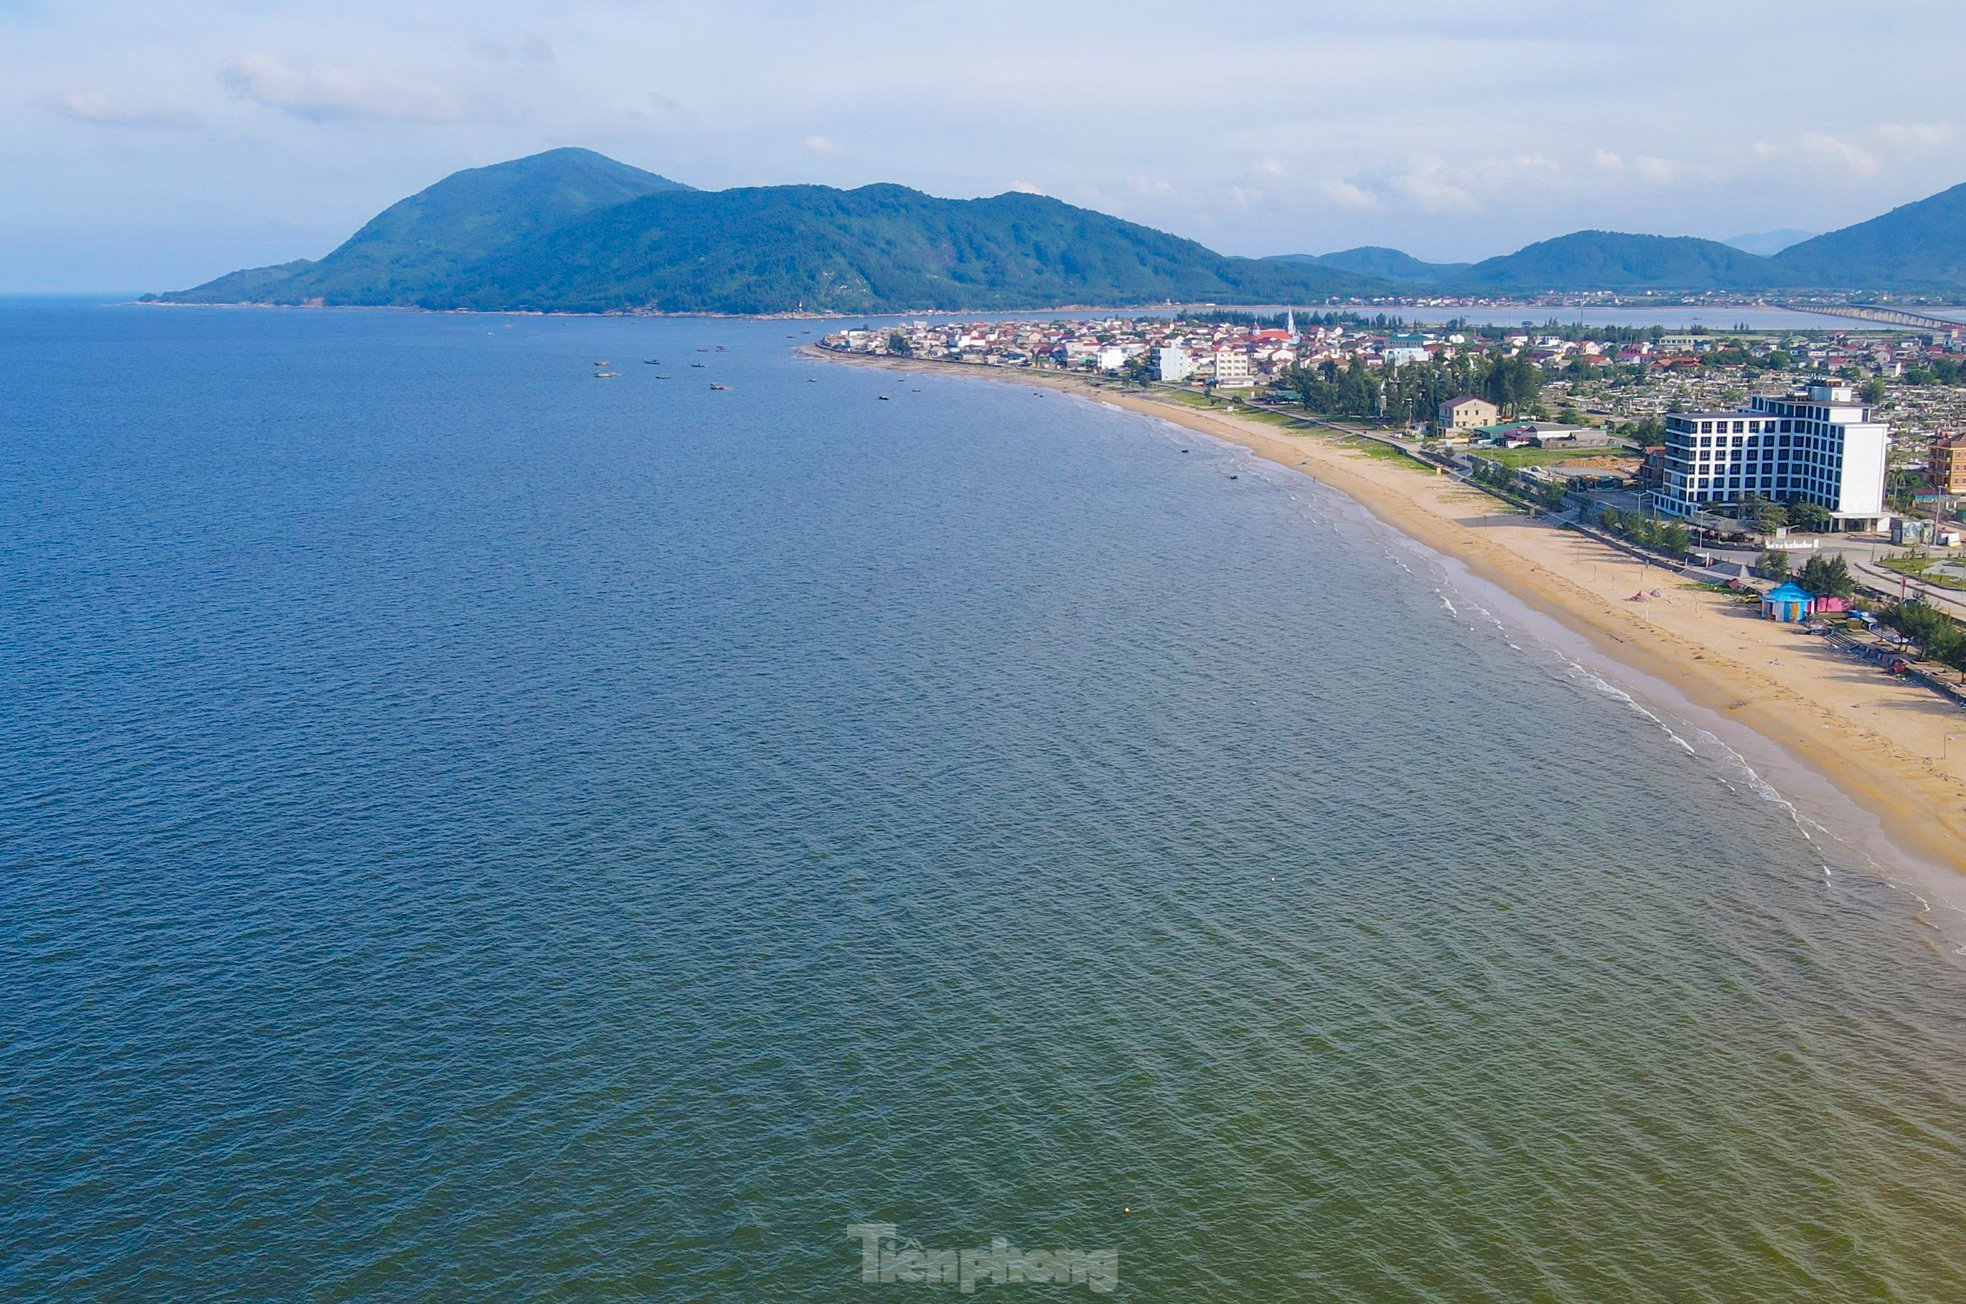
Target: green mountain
1919,246
419,248
779,248
1381,263
1612,260
571,231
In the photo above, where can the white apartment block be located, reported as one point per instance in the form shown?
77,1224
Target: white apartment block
1232,369
1173,363
1820,446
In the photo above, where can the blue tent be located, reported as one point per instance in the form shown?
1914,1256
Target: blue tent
1787,602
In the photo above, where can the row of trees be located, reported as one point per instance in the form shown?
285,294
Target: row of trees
1647,531
1937,634
1415,391
1769,515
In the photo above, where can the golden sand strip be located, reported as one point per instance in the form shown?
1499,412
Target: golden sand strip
1883,743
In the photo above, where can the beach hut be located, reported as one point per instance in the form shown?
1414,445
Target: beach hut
1788,602
1829,605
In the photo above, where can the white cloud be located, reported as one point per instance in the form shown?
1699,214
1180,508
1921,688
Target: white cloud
1346,195
821,145
1865,153
1646,169
82,104
326,92
1245,199
1427,186
1271,167
1026,188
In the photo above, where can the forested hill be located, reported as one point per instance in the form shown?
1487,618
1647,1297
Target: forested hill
571,231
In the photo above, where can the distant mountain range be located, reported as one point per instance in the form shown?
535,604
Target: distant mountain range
573,231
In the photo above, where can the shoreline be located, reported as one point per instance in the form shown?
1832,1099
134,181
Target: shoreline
1872,740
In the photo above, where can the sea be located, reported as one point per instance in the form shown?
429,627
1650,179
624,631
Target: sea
475,829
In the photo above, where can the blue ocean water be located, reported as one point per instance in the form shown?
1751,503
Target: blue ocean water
473,830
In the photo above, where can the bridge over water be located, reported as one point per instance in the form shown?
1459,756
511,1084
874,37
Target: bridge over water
1887,316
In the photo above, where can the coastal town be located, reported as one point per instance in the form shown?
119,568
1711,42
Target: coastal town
1609,374
1758,463
1580,392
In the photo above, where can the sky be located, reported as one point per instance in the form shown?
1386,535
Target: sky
153,144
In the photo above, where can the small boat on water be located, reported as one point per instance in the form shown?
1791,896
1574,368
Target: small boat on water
715,385
660,376
699,364
722,349
812,380
651,362
606,375
884,398
602,362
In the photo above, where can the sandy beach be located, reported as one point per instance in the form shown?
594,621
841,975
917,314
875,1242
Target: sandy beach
1879,742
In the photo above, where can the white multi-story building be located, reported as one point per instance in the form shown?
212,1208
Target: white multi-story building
1172,363
1232,369
1820,446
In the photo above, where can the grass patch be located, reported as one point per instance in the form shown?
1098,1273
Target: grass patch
1517,458
1924,569
1189,397
1387,453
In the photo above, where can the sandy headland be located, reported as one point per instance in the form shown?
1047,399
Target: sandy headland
1802,708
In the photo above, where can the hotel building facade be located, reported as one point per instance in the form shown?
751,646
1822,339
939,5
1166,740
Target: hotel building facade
1820,445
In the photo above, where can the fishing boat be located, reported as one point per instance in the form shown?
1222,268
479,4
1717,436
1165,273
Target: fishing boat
715,385
606,375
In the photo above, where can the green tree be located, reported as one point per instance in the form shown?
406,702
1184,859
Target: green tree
1775,565
1937,634
1874,391
898,344
1827,576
